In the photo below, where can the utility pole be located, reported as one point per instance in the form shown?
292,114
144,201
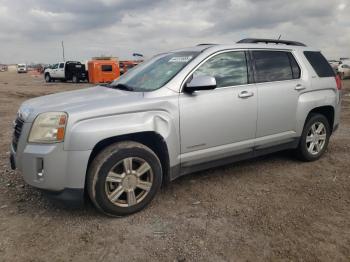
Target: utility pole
64,60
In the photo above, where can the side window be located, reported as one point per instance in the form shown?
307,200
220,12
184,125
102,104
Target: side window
106,68
61,65
275,66
55,66
229,69
295,67
319,64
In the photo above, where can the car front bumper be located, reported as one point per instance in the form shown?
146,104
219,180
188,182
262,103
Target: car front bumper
49,167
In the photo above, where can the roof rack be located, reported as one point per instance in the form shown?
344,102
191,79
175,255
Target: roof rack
263,40
205,44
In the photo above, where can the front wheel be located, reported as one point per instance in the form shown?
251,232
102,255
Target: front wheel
315,137
124,178
47,78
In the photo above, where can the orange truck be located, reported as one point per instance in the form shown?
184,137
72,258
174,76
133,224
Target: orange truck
103,71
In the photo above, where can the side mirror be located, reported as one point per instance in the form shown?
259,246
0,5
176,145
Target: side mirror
200,83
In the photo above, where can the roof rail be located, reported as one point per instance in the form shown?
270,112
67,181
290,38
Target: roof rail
205,44
263,40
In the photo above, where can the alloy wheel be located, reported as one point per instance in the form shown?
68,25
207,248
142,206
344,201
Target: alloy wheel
316,138
129,181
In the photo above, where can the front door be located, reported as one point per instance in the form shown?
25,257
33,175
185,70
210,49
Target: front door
54,71
221,122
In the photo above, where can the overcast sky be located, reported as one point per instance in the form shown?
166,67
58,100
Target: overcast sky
32,30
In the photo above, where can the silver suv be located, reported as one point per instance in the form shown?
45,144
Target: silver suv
180,112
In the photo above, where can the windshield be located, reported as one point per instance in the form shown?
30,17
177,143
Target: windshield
155,73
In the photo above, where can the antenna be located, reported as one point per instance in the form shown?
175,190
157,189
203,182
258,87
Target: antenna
279,37
64,60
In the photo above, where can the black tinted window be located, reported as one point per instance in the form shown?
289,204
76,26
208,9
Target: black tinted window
274,66
229,69
319,64
106,68
295,67
61,65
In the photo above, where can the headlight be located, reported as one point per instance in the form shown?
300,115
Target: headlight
48,128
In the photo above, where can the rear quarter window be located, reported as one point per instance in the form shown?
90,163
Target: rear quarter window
319,64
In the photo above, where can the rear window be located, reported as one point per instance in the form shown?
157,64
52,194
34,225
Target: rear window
319,64
275,66
106,68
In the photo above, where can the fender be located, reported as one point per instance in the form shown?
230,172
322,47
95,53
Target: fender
85,134
311,100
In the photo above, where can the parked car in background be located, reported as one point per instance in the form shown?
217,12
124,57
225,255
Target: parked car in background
66,71
21,68
344,71
334,64
3,68
180,112
344,60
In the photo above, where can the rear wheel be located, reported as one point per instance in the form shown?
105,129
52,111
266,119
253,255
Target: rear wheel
75,79
315,137
124,178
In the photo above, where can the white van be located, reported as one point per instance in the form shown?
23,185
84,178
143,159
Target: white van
21,68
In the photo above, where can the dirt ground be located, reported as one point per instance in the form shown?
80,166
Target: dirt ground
270,208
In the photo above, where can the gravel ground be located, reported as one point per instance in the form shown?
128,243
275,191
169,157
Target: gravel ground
270,208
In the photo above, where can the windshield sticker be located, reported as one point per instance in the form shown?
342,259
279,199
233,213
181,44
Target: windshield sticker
180,59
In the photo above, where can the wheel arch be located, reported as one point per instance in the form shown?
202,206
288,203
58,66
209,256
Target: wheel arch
324,102
150,139
327,110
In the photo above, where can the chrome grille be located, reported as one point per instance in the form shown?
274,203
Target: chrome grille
17,130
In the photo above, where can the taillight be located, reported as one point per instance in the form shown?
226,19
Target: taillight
338,81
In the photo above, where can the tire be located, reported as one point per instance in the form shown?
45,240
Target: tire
75,79
306,151
121,182
48,78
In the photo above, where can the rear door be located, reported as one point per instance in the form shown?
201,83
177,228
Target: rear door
279,84
60,71
221,122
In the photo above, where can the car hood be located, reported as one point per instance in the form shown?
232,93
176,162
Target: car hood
99,99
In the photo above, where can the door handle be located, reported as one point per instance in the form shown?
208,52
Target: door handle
245,94
299,87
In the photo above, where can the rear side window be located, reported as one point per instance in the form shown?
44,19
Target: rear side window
106,68
61,65
319,64
275,66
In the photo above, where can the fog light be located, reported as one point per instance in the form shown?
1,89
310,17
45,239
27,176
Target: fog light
40,168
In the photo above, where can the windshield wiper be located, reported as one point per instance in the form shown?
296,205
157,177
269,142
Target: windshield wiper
121,87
